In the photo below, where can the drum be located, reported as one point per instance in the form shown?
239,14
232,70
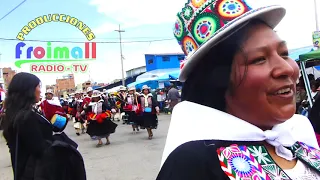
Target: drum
59,122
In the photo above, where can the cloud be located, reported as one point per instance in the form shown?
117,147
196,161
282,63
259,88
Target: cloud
296,29
297,26
105,27
139,12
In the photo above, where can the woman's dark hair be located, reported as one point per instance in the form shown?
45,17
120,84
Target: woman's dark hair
209,82
20,98
311,77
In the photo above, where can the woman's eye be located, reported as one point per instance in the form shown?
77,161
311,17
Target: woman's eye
259,60
285,55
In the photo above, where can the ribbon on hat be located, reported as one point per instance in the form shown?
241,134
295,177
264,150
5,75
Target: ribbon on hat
212,124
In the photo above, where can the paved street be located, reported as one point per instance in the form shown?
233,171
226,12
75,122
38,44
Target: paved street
128,157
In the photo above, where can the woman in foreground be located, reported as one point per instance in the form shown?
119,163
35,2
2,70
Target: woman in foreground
245,126
36,152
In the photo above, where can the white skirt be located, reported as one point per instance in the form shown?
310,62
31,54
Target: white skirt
77,125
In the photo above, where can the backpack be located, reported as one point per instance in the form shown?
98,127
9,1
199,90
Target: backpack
61,161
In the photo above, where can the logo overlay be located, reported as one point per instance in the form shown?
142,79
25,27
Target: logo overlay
53,58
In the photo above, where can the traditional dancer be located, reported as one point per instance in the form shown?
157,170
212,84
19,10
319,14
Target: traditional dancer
109,102
78,119
87,99
150,110
51,106
85,104
120,103
99,120
131,107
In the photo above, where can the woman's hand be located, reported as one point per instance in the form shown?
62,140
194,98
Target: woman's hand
157,110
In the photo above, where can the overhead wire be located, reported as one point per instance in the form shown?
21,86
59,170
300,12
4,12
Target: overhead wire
13,9
99,42
137,37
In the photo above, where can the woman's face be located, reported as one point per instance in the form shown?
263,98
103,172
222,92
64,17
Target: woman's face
95,99
145,91
131,92
266,95
37,93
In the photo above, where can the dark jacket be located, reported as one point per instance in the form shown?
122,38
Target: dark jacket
193,161
314,114
42,155
197,160
34,131
61,161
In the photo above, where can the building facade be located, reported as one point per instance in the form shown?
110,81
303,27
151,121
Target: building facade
8,74
53,88
163,61
65,85
136,71
85,85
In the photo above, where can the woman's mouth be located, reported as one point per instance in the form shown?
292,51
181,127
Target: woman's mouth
286,92
283,91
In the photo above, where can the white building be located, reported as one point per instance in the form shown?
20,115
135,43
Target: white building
136,71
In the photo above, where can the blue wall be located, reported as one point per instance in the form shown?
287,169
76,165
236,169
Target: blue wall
163,61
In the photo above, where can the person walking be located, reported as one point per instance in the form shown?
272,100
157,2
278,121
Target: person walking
173,96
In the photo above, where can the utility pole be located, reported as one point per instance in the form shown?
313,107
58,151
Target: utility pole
316,14
121,56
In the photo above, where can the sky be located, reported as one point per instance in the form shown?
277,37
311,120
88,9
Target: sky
142,20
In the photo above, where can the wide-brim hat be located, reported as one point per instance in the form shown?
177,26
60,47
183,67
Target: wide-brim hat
122,88
49,91
145,87
132,88
77,92
203,24
89,89
96,93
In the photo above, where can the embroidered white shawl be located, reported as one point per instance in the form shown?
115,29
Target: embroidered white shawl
191,122
54,101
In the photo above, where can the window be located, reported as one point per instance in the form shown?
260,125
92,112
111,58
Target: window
150,61
165,58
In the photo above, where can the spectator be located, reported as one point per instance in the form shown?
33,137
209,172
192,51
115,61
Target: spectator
173,96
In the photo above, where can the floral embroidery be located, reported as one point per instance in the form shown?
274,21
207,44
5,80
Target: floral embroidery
238,163
267,163
307,154
252,162
260,154
275,172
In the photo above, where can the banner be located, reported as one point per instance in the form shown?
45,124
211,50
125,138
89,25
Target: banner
50,57
316,38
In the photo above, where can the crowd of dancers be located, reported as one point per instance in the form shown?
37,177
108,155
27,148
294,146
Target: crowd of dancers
94,112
